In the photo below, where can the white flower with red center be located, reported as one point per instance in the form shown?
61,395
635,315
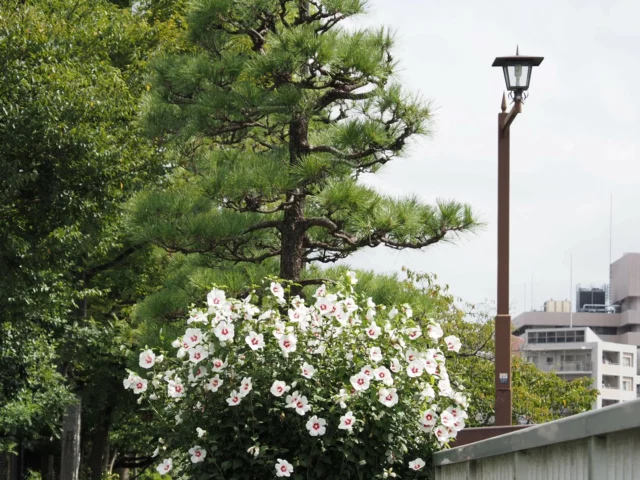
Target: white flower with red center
216,298
234,399
255,340
375,354
283,468
175,389
412,355
298,315
139,385
416,464
457,412
429,418
214,384
367,370
415,368
245,386
321,291
128,382
458,424
197,316
453,343
373,330
165,467
197,454
307,370
277,290
316,426
360,382
324,305
278,388
382,374
279,329
430,365
218,365
407,310
292,399
414,333
198,374
147,359
347,421
297,302
288,343
197,354
388,397
191,338
350,305
302,405
395,365
441,433
224,331
434,331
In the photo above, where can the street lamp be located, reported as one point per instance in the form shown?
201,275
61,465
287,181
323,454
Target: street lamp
517,75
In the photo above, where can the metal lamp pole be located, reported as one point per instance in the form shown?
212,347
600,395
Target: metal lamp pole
515,68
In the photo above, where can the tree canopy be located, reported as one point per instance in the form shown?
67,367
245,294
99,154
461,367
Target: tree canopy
272,115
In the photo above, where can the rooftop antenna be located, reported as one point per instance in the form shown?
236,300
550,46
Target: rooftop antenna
609,296
532,299
570,290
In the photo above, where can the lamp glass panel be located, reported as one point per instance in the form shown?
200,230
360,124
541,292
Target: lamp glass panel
518,76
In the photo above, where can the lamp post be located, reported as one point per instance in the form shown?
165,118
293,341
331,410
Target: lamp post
517,75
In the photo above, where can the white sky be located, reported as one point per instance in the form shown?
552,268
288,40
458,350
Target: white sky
576,143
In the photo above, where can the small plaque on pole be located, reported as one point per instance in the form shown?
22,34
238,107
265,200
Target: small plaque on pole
504,378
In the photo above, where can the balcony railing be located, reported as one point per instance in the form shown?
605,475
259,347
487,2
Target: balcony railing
584,366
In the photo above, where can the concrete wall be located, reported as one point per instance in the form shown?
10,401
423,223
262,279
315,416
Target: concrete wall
597,445
625,277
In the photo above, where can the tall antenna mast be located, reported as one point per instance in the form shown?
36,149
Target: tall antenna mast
532,299
570,291
609,296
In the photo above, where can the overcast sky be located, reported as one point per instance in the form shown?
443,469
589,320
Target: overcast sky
576,143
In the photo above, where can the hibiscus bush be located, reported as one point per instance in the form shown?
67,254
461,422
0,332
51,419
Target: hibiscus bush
328,387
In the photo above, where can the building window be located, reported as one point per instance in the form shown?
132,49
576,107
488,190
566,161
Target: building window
532,337
606,402
627,359
549,359
627,384
611,358
611,381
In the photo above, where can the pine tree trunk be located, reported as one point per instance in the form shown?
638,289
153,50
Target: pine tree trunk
70,455
292,242
291,258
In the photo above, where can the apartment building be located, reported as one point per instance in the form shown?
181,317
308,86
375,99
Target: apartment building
620,324
578,352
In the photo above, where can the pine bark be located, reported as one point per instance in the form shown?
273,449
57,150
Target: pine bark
293,229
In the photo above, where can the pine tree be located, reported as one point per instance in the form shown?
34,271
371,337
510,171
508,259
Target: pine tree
271,114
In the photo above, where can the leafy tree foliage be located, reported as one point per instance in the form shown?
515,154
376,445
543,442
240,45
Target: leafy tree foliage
71,153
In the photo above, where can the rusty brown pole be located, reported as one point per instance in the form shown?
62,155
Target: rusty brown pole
503,319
